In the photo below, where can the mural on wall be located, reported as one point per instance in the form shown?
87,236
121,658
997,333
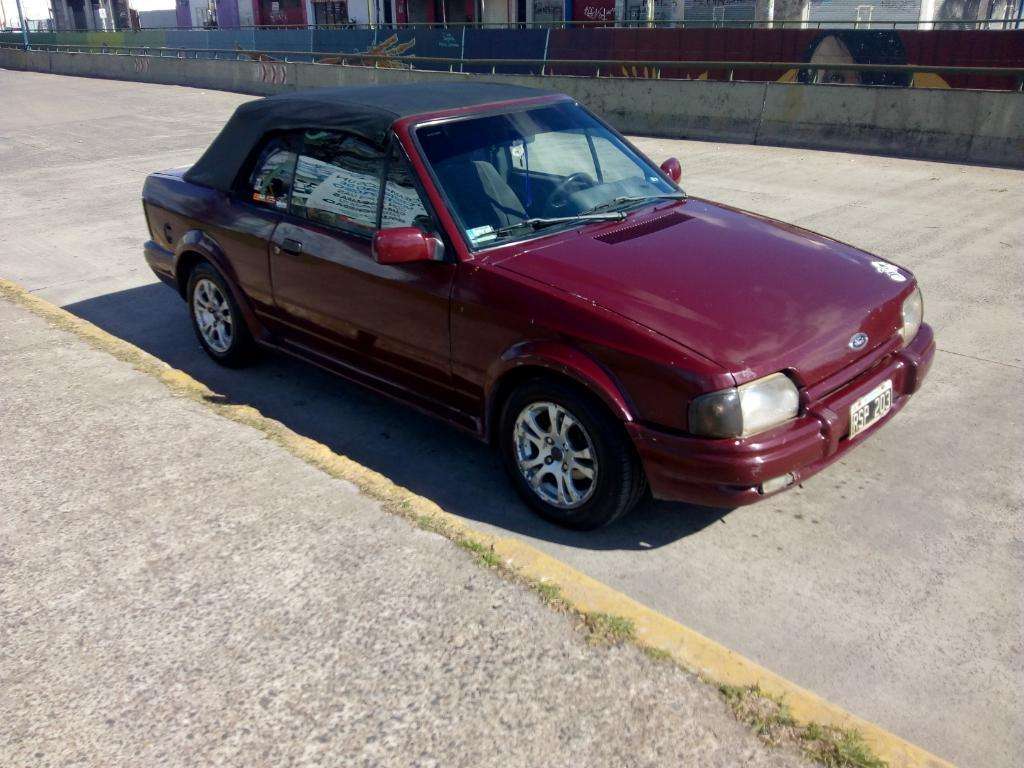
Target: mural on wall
985,48
391,49
955,48
852,47
254,55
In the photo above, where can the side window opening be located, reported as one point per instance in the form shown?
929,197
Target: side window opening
337,181
270,181
403,206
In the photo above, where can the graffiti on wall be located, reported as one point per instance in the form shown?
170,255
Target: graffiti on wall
595,10
985,48
273,73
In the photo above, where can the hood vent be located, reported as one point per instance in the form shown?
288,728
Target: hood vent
643,228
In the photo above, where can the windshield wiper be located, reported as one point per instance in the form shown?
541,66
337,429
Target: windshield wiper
538,222
637,199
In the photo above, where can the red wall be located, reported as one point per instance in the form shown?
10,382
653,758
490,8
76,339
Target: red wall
952,47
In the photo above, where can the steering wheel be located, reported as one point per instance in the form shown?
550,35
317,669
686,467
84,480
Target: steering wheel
559,196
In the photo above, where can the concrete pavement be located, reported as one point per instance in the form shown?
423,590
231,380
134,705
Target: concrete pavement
177,590
891,584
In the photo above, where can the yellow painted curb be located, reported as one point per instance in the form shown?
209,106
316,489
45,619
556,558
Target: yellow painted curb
691,649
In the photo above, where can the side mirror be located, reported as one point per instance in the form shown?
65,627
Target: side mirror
401,245
672,169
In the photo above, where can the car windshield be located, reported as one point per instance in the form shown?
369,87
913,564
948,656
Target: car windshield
507,175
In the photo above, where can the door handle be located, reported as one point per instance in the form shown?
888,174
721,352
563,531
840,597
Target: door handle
291,246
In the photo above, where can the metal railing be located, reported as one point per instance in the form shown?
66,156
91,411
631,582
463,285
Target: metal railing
882,24
544,66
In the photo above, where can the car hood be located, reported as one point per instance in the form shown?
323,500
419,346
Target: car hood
751,294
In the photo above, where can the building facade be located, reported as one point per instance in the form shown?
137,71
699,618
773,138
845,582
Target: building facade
110,15
158,19
91,15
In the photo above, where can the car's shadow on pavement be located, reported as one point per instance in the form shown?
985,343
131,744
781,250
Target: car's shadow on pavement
436,461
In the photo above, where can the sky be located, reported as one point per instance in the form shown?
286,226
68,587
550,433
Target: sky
40,9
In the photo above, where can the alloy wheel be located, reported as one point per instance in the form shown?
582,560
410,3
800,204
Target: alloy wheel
213,315
555,455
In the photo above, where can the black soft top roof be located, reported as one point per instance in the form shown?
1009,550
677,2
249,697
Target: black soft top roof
367,111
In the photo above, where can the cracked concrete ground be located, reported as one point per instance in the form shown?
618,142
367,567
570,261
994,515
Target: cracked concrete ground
177,590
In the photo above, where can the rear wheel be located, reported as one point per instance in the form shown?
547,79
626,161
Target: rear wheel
217,319
568,458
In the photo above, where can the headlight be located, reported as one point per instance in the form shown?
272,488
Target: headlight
913,314
745,410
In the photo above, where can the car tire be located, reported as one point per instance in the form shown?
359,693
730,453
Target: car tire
217,319
548,462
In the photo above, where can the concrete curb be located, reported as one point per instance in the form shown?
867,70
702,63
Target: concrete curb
689,648
961,126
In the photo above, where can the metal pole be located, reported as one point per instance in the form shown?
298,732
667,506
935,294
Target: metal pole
24,27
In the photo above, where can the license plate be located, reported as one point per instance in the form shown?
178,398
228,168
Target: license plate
868,409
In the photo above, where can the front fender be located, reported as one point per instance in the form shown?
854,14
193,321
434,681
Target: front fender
558,357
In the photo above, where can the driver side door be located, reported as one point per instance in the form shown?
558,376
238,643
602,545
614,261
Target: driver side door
389,321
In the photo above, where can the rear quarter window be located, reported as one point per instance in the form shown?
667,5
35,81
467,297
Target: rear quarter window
270,182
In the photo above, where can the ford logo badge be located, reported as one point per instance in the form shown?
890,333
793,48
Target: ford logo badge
858,341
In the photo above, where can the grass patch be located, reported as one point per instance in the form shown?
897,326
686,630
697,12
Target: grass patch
551,595
834,748
657,654
768,716
606,629
483,553
427,522
771,719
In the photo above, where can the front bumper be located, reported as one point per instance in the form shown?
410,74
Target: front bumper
729,472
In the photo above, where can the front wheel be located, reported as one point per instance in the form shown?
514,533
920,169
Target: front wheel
568,458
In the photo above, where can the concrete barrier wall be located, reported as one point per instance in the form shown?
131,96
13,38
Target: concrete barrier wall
951,125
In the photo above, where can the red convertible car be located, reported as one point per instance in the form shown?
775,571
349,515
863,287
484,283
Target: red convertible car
500,257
